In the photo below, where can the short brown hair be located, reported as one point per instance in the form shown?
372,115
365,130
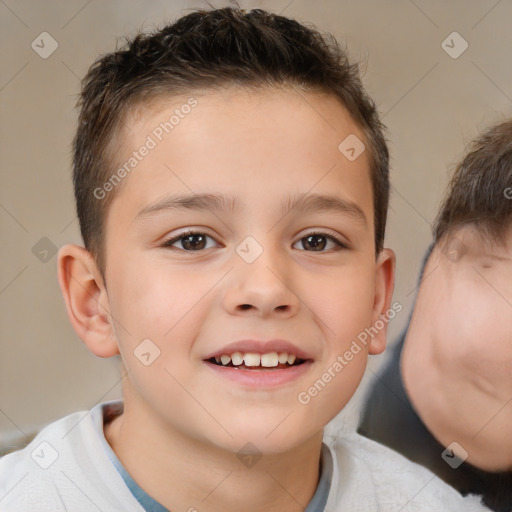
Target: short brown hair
480,191
209,50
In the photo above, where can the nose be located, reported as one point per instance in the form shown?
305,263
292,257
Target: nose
263,287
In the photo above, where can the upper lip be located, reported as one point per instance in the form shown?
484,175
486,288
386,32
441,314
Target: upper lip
260,347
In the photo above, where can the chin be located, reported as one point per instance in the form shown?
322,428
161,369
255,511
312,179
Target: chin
493,457
265,438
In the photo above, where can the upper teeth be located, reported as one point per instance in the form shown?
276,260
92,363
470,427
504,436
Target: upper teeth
252,359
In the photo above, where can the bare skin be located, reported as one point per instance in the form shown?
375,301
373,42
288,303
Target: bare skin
184,420
457,359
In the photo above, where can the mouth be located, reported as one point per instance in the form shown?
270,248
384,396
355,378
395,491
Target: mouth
253,361
260,365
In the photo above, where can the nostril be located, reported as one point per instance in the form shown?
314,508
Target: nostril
249,306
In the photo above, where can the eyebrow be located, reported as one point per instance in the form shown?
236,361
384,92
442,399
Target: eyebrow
221,203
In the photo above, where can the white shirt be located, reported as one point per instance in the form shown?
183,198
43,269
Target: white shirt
66,468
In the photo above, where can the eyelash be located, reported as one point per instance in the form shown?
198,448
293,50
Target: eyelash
169,243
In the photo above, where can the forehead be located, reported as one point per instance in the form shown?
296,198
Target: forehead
467,266
474,243
240,140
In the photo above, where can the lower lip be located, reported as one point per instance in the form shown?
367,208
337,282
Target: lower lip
259,379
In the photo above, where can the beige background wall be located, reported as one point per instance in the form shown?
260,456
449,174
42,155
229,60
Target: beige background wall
432,103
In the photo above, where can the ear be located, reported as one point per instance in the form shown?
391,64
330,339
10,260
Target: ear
384,287
86,300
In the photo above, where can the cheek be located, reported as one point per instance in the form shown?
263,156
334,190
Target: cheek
163,312
154,302
343,311
474,334
344,304
487,340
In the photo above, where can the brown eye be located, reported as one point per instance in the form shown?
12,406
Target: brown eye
314,242
318,242
190,242
193,242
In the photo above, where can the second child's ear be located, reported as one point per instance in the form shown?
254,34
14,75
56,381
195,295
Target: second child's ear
384,287
86,300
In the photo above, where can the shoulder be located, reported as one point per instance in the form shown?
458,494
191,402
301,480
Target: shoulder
378,475
65,467
28,477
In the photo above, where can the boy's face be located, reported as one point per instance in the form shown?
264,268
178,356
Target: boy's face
457,361
247,273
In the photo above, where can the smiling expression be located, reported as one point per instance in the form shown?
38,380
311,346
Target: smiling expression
245,233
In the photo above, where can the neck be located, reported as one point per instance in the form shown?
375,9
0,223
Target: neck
189,474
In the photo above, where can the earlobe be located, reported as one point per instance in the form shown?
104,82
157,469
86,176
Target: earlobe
384,287
86,300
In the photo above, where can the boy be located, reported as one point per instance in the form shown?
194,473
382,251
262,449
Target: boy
457,353
231,179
